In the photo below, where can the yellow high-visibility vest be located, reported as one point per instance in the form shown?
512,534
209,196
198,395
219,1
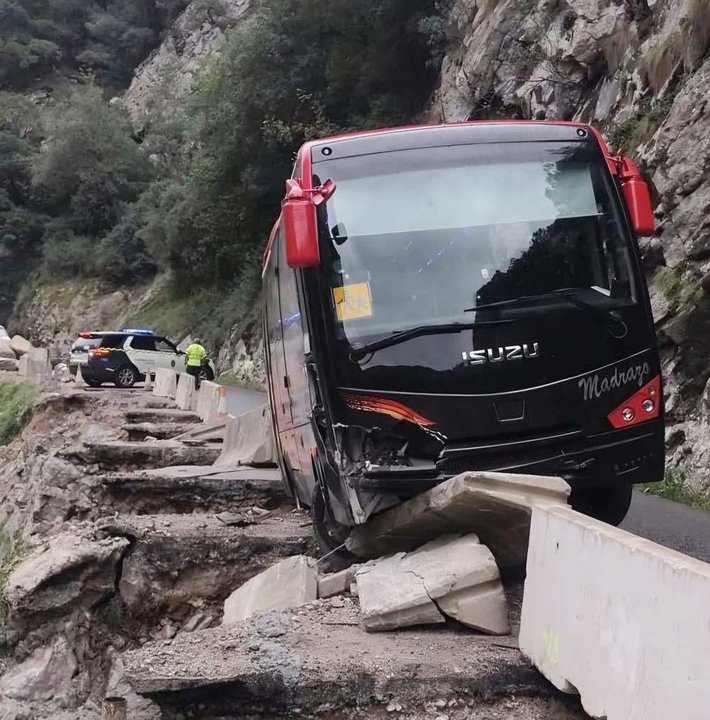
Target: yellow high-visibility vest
195,354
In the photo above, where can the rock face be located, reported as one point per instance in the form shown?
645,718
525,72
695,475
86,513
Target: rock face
164,80
640,70
45,675
69,572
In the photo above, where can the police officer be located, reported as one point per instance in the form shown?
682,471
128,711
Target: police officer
195,355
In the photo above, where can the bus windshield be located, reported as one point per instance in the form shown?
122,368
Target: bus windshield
416,237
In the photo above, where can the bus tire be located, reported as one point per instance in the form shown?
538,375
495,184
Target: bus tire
329,537
610,504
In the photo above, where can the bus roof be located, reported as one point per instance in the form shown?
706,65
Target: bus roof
305,152
307,147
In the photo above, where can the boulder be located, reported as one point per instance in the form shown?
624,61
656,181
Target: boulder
68,572
45,675
3,333
8,365
291,583
20,345
454,577
6,350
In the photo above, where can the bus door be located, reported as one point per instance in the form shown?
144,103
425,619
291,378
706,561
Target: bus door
274,340
297,440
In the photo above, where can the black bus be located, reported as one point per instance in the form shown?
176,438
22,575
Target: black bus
448,298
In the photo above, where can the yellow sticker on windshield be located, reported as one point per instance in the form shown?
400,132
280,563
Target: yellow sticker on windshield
353,301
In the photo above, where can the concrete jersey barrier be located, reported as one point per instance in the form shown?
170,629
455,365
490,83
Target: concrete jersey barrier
165,383
186,395
208,401
35,363
621,620
249,439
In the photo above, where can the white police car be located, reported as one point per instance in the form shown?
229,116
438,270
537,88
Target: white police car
127,356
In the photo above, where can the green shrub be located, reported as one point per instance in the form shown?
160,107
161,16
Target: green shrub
16,402
674,486
12,551
676,288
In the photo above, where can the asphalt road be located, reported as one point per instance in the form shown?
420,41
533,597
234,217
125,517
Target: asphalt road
241,400
671,524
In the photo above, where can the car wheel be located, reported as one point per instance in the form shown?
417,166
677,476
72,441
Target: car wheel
93,383
126,377
609,504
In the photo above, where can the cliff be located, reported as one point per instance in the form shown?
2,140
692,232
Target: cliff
640,71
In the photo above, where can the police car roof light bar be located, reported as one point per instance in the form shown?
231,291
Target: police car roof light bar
138,331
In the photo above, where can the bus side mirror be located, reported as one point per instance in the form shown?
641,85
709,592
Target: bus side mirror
637,198
300,222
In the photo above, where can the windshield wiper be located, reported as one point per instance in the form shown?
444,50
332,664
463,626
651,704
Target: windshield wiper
569,294
357,353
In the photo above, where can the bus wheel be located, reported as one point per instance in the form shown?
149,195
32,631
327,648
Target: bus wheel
329,535
608,504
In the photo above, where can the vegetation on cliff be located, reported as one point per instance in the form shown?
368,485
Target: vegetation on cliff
195,194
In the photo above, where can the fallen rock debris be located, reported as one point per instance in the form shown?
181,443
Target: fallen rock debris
494,506
453,577
291,583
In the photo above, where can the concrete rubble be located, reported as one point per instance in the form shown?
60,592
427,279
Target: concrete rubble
165,453
494,506
190,488
289,584
453,577
338,583
176,560
318,662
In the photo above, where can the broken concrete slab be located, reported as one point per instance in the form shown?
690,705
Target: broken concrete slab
213,431
455,577
127,455
68,572
138,432
176,560
289,584
161,416
495,506
320,662
338,583
249,439
186,489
